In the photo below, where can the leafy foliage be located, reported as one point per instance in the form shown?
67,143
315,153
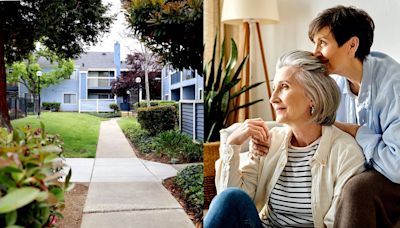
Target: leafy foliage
54,106
190,180
157,119
177,145
140,138
31,194
127,80
61,26
220,78
24,72
173,29
114,107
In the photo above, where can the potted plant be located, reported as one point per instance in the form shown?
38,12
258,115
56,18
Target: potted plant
219,105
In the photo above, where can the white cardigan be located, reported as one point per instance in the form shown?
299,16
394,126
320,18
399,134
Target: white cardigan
336,160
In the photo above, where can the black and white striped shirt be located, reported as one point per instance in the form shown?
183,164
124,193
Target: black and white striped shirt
290,200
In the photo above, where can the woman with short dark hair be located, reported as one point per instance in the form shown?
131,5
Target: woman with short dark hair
299,181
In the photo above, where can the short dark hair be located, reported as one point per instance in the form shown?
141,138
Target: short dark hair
344,23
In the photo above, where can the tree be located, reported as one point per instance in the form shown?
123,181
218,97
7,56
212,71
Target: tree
61,26
173,29
24,72
127,81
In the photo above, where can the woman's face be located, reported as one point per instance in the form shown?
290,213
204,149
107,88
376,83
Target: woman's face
328,50
289,98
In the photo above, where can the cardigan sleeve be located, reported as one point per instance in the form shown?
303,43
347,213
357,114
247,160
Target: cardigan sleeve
350,162
229,174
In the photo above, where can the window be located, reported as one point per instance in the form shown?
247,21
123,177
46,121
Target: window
200,94
103,96
166,97
69,98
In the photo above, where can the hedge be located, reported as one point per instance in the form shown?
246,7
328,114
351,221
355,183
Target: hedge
157,119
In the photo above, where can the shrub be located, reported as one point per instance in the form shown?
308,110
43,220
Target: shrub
53,106
190,180
140,138
177,145
30,164
143,104
114,107
157,119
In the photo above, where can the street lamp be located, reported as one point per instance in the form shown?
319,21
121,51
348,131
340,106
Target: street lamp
138,80
39,74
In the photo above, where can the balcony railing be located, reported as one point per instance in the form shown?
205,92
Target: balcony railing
96,105
99,82
175,77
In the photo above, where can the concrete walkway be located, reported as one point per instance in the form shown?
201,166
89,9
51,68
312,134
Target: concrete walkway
124,190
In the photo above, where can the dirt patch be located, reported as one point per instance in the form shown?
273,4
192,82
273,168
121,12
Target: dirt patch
74,203
177,193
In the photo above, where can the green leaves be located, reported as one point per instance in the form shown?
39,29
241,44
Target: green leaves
221,78
172,29
30,165
17,199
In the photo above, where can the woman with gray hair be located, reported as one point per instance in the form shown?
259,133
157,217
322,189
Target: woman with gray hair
298,181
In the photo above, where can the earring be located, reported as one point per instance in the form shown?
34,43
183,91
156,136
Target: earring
312,110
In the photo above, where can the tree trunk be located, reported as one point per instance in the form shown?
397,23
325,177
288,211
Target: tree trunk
5,117
146,76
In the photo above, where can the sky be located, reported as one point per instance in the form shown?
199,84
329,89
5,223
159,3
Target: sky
118,32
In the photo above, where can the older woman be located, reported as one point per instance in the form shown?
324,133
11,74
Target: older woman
299,181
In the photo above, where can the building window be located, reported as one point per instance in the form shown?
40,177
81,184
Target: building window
104,96
166,97
200,94
69,98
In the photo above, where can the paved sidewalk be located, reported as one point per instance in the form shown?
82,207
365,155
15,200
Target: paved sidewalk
124,190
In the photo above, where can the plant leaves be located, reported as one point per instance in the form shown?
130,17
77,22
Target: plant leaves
17,199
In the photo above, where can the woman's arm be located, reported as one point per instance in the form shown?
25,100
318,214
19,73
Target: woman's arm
350,162
228,173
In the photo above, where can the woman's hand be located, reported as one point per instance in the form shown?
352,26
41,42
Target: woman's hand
257,131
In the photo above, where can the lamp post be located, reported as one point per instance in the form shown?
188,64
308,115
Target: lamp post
138,80
39,74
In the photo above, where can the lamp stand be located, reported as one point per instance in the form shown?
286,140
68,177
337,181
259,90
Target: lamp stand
247,71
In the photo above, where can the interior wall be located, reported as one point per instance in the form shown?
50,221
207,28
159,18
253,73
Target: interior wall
295,15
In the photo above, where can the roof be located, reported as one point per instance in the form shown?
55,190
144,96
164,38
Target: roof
95,60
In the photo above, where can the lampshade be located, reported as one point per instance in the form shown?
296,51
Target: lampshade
262,11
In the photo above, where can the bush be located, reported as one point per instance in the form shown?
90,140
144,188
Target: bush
177,145
114,107
53,106
190,180
140,138
157,119
30,164
105,114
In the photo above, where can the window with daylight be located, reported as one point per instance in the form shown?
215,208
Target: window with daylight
69,99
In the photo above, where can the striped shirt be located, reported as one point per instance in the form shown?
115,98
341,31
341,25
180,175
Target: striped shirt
290,200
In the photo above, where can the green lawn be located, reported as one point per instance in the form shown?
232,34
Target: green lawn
79,131
126,122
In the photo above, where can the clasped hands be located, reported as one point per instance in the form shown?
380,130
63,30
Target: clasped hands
257,131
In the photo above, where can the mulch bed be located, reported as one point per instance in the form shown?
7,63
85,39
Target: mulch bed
176,192
74,203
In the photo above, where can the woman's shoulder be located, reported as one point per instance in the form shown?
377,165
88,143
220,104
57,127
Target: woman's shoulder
341,139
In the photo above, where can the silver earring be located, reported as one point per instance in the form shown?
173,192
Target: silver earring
312,110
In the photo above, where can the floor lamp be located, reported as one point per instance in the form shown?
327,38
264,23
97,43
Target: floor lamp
254,13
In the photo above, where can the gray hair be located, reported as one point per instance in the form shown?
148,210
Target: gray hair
319,86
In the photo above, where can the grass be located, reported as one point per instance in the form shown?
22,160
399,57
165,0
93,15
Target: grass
127,122
79,131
